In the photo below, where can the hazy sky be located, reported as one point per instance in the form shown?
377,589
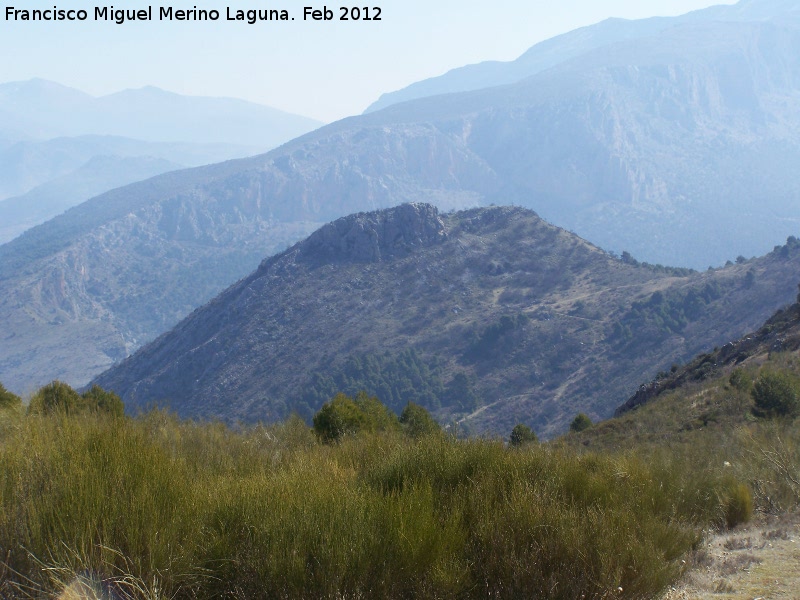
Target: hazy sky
325,70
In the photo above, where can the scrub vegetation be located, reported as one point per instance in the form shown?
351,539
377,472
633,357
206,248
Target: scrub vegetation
158,507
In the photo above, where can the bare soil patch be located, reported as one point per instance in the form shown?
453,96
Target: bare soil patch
757,561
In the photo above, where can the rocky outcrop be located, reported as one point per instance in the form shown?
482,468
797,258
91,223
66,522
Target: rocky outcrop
372,237
781,333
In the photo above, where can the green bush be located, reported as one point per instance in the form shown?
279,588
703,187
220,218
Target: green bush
202,511
521,435
7,399
98,399
738,505
343,415
581,422
58,397
417,422
740,380
775,394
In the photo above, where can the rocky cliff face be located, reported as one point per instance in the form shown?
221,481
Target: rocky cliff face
372,237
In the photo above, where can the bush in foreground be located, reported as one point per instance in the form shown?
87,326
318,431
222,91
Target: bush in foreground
58,397
201,511
8,399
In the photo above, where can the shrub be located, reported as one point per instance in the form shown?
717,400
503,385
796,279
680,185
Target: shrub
7,399
343,415
56,396
740,380
98,399
580,423
417,421
521,435
203,511
738,505
776,395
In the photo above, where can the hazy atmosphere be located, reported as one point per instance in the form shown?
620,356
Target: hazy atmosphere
323,70
474,300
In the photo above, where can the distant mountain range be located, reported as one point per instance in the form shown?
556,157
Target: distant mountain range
571,45
59,146
489,316
41,109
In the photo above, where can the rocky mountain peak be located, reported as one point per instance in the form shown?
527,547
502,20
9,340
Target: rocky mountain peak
374,236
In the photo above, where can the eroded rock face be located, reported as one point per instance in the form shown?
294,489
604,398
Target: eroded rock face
371,237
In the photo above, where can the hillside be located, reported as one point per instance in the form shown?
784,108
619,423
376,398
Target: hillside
781,333
491,316
678,147
97,175
115,272
27,164
706,399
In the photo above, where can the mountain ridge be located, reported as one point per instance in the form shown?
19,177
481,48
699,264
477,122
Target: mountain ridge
553,51
49,109
492,306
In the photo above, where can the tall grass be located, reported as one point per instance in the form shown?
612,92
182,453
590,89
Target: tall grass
159,508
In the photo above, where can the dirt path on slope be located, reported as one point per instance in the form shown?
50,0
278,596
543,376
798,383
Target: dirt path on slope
756,562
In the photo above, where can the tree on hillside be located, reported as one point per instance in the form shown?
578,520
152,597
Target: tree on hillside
580,423
521,435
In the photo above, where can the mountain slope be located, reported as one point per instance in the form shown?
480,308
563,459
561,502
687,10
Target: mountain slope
99,174
53,131
490,309
661,146
27,164
565,47
780,333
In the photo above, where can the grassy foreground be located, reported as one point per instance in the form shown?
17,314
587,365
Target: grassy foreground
155,507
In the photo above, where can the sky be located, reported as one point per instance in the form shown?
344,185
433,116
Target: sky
322,69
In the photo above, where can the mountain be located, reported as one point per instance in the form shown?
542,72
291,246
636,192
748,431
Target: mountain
99,174
118,270
49,132
662,145
565,47
708,402
679,148
490,316
25,165
42,179
44,109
